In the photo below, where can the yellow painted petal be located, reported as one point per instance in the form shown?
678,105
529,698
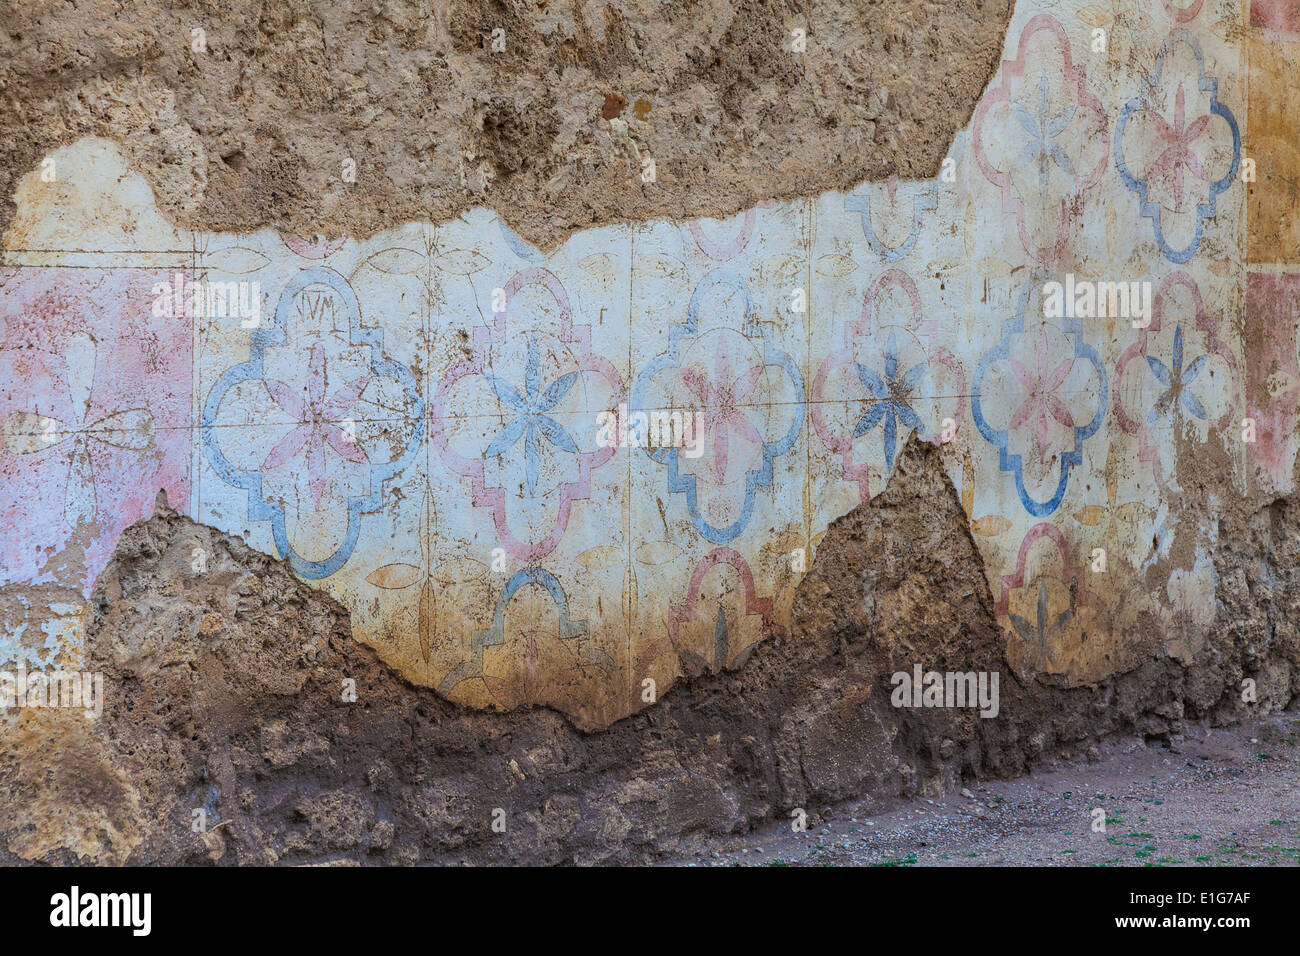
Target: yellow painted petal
990,525
394,576
1092,515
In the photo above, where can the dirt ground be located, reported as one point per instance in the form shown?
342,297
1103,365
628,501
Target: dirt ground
1213,797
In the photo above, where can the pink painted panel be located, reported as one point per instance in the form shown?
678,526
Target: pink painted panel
94,417
1273,378
1280,15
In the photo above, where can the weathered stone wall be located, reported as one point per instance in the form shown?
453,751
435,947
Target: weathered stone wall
242,114
410,419
226,699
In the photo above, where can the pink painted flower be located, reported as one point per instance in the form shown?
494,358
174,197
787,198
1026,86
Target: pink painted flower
721,398
1041,402
1177,140
316,423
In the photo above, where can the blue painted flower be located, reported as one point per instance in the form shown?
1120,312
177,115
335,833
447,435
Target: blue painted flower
1176,381
1160,185
785,400
893,396
1041,384
532,420
316,415
1043,128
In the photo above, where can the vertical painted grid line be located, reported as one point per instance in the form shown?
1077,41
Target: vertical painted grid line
426,350
810,233
1248,484
631,586
196,397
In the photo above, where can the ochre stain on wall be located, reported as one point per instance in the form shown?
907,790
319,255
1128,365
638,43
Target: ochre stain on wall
1273,206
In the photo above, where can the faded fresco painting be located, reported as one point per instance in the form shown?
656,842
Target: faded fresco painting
569,477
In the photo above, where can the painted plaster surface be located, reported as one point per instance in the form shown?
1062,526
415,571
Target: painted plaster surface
413,421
